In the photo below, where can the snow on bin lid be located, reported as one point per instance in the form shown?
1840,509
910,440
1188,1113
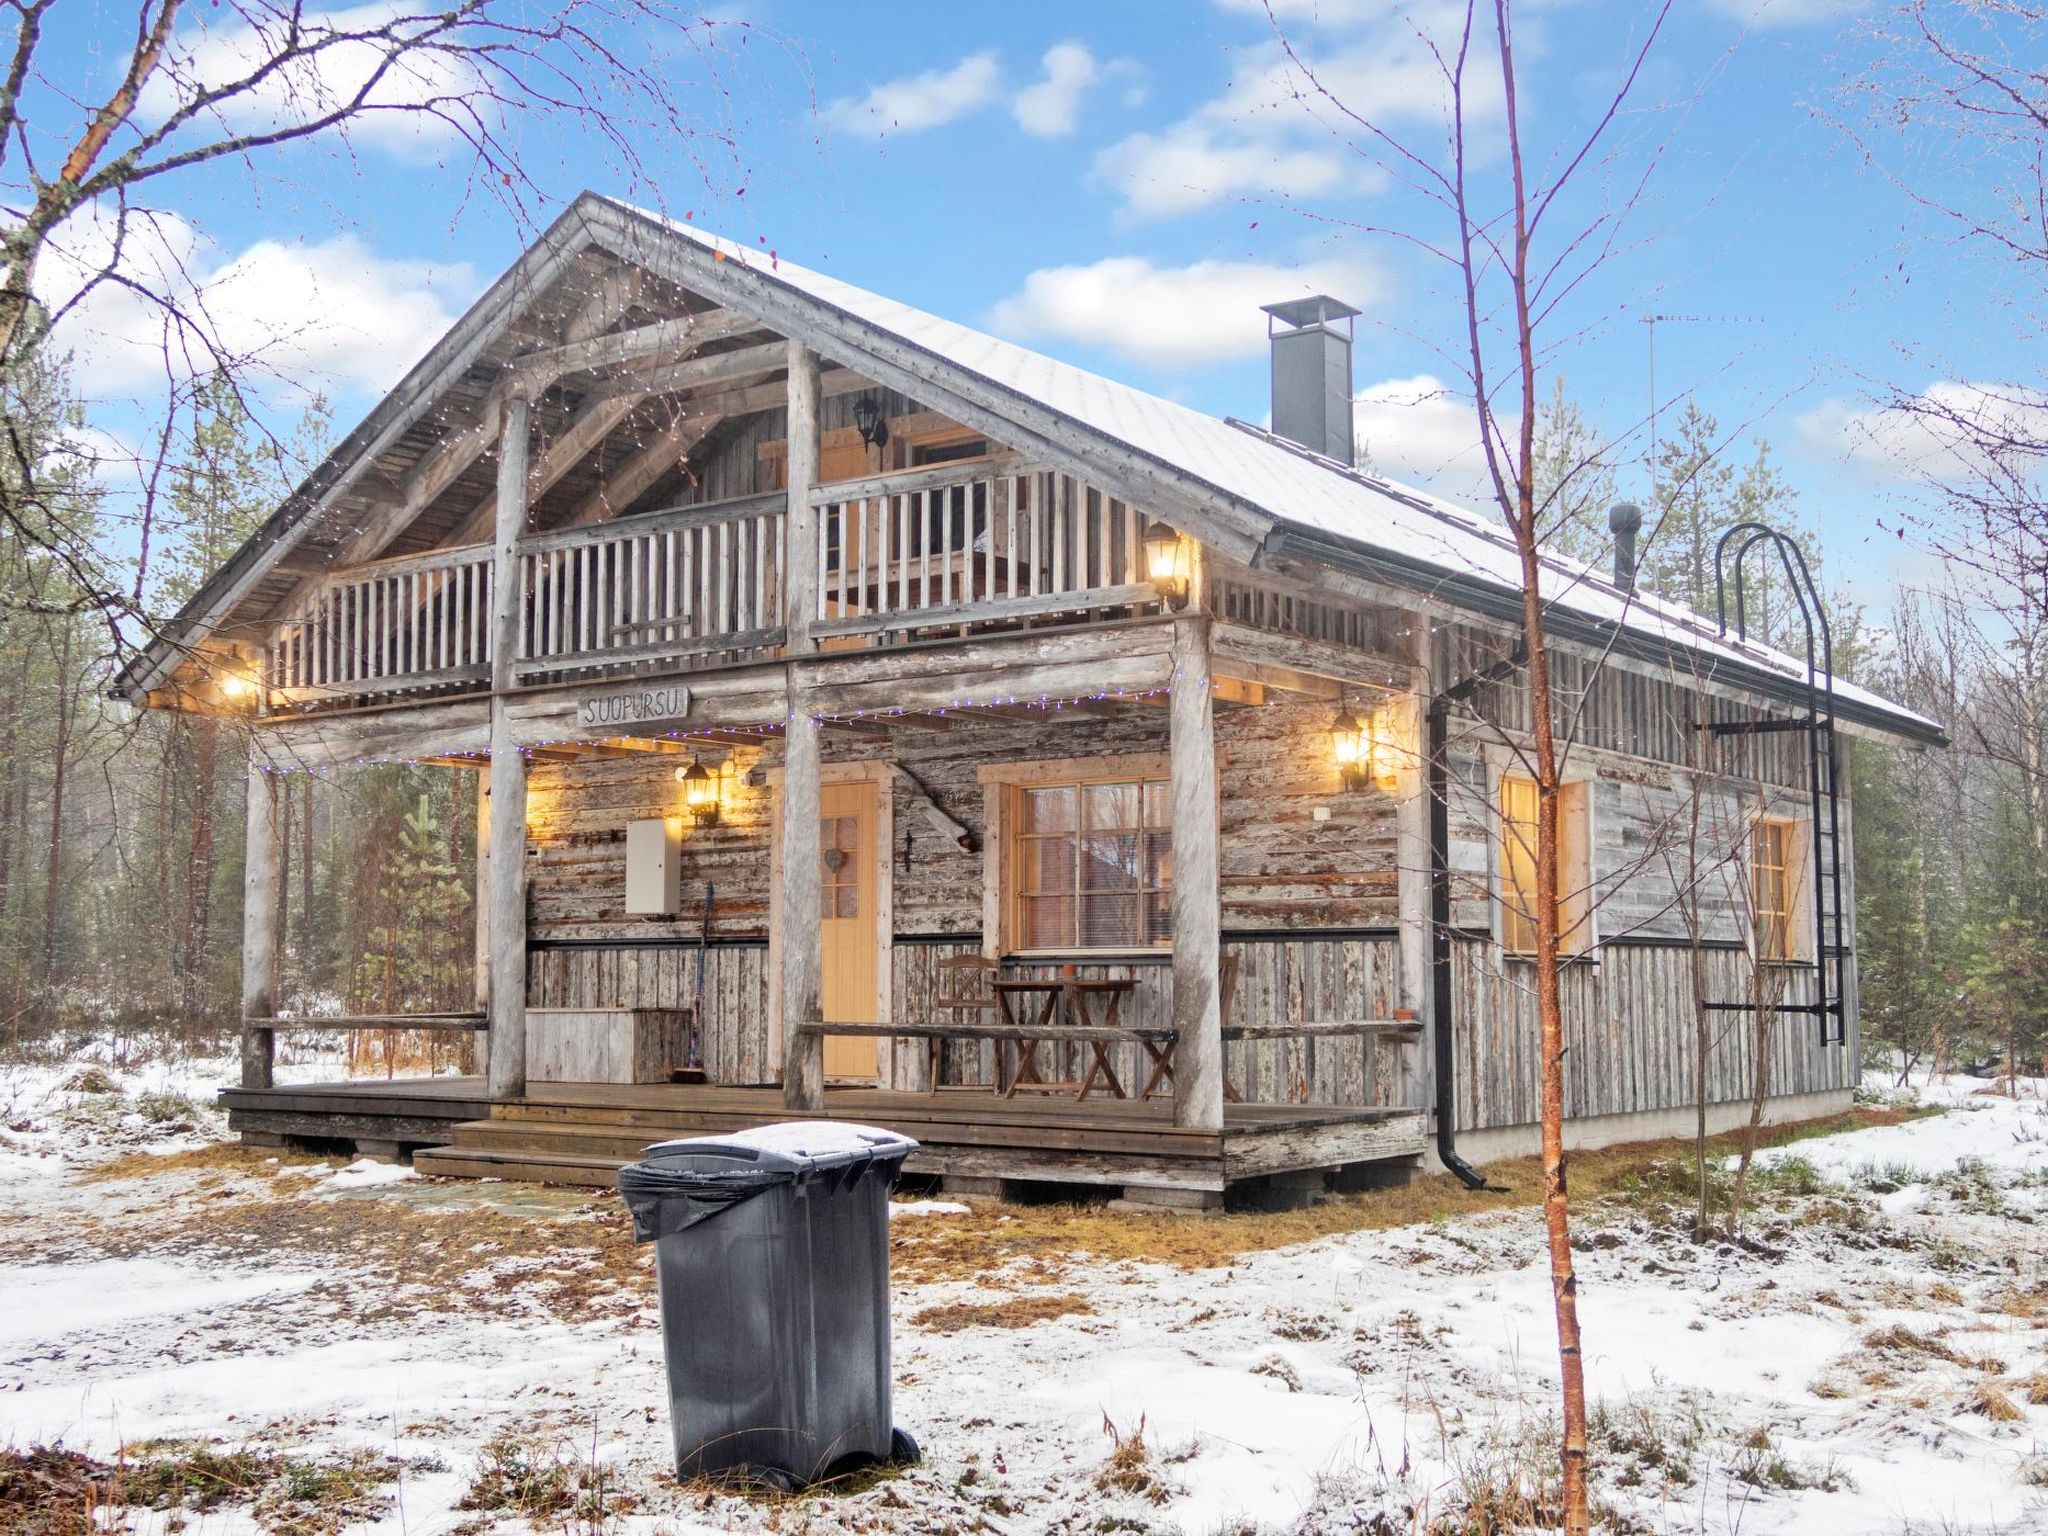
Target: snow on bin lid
811,1141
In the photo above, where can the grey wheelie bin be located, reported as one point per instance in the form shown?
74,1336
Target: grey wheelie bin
772,1255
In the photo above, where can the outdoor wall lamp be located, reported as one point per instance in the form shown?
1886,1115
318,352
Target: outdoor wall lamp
1363,748
700,793
1353,748
238,689
867,416
1167,558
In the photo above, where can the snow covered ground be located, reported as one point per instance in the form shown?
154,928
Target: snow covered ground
1865,1359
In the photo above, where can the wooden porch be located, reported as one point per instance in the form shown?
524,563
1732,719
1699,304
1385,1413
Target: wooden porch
581,1133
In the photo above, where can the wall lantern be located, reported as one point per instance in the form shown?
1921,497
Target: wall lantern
867,416
700,793
238,689
1167,558
1353,748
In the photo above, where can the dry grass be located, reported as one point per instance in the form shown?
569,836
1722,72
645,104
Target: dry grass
1129,1469
1011,1312
1989,1399
991,1236
1901,1341
214,1157
49,1491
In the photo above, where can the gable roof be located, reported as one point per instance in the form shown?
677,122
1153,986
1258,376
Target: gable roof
1252,492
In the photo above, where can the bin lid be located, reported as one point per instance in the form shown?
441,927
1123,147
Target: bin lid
790,1149
684,1182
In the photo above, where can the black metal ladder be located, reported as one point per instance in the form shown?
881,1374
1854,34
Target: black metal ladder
1823,763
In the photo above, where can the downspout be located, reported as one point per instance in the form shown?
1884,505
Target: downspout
1437,786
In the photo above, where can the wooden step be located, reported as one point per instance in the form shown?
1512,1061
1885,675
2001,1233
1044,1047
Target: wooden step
529,1167
551,1137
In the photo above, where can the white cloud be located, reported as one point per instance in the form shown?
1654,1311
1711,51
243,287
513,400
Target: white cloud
1192,165
1274,131
1422,430
327,73
1933,437
1170,316
331,314
917,102
1052,107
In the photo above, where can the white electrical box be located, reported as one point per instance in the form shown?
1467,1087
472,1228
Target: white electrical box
654,867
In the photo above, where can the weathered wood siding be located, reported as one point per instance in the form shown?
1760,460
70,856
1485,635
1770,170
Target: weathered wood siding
1325,890
1629,1035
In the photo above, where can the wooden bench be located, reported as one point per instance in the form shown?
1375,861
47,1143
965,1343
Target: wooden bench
1027,1037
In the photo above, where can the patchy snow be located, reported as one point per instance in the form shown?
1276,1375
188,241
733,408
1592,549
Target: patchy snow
368,1173
898,1209
1825,1375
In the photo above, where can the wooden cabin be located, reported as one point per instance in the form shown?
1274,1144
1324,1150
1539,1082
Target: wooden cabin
884,721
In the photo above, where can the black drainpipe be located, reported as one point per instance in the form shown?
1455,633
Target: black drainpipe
1438,789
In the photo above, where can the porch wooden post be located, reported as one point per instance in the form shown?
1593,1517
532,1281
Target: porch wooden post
506,918
482,890
259,922
1411,889
803,1056
1196,898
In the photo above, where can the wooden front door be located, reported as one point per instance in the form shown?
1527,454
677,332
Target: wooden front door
846,839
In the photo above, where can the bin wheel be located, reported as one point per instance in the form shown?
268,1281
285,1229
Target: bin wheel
778,1481
903,1450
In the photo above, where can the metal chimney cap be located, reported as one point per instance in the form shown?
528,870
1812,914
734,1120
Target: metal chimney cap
1318,310
1624,517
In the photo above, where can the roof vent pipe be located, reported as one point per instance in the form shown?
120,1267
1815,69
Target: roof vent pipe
1311,341
1625,521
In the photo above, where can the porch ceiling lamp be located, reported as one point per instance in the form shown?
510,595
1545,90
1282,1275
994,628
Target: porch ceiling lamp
874,428
1351,745
1166,560
700,793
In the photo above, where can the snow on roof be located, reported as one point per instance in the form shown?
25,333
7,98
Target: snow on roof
1294,487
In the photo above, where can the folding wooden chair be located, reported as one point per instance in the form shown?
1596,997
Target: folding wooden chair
964,994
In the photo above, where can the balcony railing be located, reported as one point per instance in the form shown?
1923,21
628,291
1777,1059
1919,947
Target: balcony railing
944,549
998,542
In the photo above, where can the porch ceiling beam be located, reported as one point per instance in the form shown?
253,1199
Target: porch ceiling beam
1235,643
620,349
1286,679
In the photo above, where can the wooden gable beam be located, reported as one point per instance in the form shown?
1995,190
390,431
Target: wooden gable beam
658,342
634,477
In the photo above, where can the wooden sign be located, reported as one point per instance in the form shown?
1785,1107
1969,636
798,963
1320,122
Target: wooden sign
633,706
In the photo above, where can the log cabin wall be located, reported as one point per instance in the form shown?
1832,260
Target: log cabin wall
1628,1009
1308,906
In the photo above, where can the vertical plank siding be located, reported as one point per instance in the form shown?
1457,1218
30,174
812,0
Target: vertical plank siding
1629,1036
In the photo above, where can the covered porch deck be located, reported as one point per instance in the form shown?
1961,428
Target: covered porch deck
581,1133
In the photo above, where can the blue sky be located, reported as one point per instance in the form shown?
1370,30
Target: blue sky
1122,184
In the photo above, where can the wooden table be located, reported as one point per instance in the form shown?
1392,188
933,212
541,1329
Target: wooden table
1075,998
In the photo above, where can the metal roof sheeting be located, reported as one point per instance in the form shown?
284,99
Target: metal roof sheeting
1410,529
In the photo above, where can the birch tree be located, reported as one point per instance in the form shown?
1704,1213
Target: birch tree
1500,216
